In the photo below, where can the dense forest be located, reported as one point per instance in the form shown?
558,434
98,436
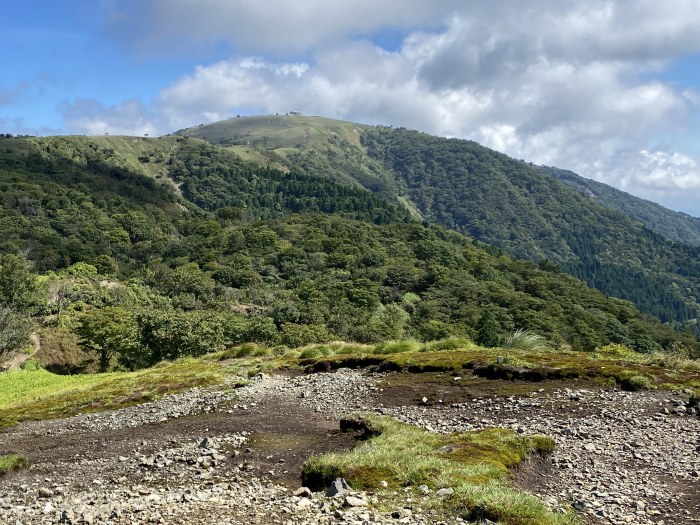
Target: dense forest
622,245
139,251
510,204
671,224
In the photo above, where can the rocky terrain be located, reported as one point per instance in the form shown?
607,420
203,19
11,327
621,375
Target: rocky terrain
219,456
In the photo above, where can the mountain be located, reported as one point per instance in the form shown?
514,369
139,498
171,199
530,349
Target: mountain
671,224
176,232
511,204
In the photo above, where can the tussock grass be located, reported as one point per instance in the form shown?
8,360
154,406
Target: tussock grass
397,347
675,361
524,340
474,464
28,395
12,462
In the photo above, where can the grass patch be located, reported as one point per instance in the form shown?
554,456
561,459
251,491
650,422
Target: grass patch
397,347
528,359
12,462
474,464
30,395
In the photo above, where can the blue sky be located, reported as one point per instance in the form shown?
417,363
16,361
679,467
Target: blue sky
610,90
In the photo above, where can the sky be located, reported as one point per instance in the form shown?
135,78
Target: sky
608,89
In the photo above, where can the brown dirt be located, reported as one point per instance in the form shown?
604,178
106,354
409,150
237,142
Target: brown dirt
400,389
283,436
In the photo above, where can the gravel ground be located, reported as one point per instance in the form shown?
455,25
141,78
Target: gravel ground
206,456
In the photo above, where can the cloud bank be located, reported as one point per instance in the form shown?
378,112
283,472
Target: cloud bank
567,83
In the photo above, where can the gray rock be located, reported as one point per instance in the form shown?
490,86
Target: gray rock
339,486
353,501
447,491
207,442
303,492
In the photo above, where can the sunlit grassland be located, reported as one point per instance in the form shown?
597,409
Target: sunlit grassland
613,364
29,395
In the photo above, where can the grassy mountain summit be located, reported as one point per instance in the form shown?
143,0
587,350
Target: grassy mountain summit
623,248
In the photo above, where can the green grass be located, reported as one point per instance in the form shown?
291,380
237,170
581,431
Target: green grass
29,395
474,464
12,462
280,133
524,340
528,359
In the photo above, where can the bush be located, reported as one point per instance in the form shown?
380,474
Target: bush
12,462
296,335
635,383
451,343
31,365
614,351
315,352
396,347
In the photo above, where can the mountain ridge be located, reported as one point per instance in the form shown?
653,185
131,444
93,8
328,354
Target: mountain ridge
220,240
514,205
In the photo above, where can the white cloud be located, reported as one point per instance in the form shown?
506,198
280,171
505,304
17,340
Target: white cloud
87,116
567,83
253,26
664,171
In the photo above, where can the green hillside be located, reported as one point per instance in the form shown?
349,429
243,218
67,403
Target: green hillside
499,200
510,204
317,146
189,249
671,224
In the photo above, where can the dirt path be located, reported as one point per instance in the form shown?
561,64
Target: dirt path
17,360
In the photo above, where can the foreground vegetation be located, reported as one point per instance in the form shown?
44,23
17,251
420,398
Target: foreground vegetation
11,462
38,394
475,465
608,365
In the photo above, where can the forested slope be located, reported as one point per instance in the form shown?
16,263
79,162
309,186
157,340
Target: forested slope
671,224
511,204
192,249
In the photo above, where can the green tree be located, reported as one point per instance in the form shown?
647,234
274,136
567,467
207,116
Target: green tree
106,265
109,332
17,284
170,334
487,329
14,329
296,335
388,322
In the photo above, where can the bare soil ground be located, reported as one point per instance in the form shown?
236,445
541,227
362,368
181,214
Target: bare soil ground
285,429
